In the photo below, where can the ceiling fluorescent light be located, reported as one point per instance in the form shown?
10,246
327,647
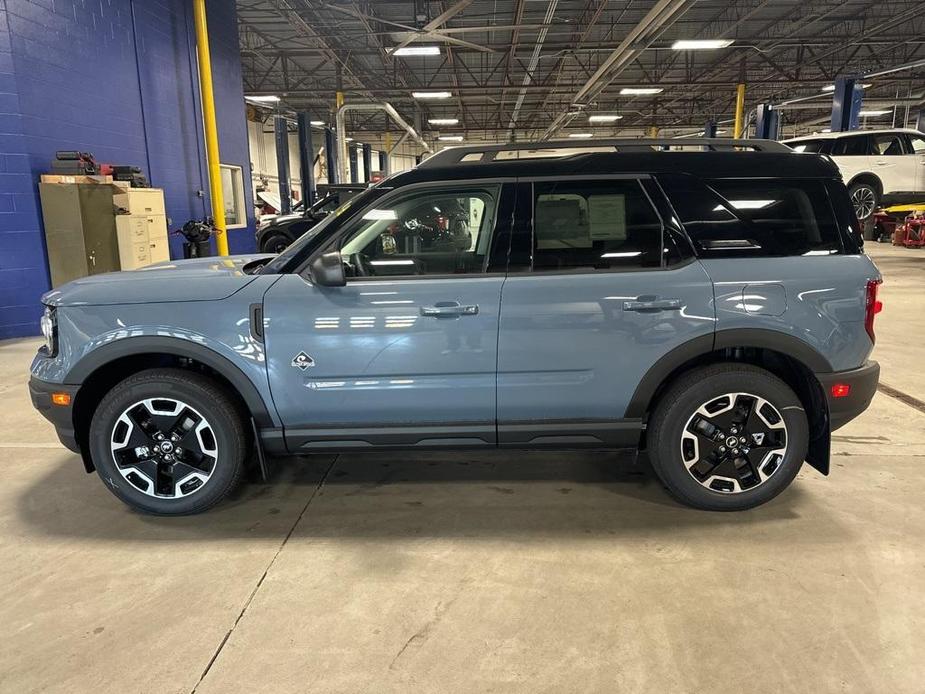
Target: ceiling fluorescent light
269,99
451,138
865,114
581,136
603,119
431,95
626,91
416,50
700,44
443,121
831,87
318,122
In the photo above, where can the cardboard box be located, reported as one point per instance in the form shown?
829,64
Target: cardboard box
57,178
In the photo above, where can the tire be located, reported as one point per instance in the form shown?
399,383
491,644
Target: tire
198,459
275,243
866,199
774,450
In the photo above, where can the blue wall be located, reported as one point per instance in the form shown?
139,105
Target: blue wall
117,78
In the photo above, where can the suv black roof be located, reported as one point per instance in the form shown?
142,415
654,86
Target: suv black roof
712,159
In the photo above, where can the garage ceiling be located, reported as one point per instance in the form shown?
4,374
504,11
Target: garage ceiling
526,69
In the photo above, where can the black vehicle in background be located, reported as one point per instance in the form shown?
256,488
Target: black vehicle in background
275,234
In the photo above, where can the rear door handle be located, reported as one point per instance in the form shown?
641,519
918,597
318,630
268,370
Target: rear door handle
652,305
449,310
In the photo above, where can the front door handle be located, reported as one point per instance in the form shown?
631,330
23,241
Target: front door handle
652,305
449,310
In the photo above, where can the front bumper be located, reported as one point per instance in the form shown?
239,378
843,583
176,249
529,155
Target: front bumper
62,416
863,384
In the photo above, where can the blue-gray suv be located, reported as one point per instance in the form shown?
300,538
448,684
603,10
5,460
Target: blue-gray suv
710,304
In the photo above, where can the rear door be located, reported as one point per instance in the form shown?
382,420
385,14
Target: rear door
598,290
917,144
405,354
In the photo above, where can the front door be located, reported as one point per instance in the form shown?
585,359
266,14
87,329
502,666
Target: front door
603,292
890,161
917,143
405,354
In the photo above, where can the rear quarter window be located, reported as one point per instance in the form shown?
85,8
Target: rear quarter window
755,217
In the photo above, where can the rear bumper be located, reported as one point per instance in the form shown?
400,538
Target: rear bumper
863,384
62,416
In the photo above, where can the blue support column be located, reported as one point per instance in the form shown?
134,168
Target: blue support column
709,130
384,162
846,104
307,159
354,164
330,155
281,134
766,123
367,161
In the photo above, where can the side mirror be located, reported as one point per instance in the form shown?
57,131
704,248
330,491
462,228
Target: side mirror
328,270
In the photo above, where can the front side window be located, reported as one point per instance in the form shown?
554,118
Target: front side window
432,232
887,145
594,225
755,217
918,144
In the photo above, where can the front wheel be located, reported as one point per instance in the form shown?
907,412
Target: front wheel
728,437
168,442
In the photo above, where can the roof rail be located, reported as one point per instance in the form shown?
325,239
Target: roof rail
474,154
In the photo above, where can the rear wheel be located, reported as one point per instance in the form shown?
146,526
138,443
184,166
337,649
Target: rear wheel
728,437
168,442
865,198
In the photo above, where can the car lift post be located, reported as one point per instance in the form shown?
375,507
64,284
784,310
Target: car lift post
709,130
766,122
354,164
281,133
846,104
307,159
367,160
330,155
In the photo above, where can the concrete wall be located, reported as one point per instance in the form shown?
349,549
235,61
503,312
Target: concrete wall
118,79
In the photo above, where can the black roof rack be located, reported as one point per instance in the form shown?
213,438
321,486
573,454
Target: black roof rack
487,153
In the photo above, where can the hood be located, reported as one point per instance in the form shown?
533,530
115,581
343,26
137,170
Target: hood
198,279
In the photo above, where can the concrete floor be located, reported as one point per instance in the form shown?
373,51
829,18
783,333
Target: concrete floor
464,573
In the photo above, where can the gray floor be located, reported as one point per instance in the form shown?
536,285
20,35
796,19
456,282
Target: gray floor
503,572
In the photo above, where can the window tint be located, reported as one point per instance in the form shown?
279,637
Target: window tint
918,144
887,145
424,233
594,225
857,146
808,146
755,218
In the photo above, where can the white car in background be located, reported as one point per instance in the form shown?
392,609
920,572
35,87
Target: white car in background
880,167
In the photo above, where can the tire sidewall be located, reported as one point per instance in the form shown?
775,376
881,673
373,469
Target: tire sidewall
220,418
861,184
271,240
667,447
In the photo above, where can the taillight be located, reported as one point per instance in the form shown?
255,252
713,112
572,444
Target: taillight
872,307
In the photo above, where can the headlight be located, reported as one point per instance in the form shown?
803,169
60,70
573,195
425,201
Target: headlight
49,325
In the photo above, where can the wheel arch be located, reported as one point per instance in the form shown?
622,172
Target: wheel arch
97,372
787,357
867,177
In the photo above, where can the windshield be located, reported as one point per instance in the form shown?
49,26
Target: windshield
321,230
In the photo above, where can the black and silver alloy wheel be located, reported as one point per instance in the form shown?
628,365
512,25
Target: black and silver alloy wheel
169,441
734,442
864,199
727,437
164,447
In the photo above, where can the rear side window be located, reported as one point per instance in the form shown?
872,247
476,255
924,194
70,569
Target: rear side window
815,146
854,146
594,225
755,217
887,145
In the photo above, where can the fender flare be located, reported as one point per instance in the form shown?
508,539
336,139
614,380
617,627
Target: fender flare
158,344
759,338
866,174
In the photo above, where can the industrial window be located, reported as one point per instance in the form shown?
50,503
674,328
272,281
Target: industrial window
434,232
233,194
755,218
594,225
